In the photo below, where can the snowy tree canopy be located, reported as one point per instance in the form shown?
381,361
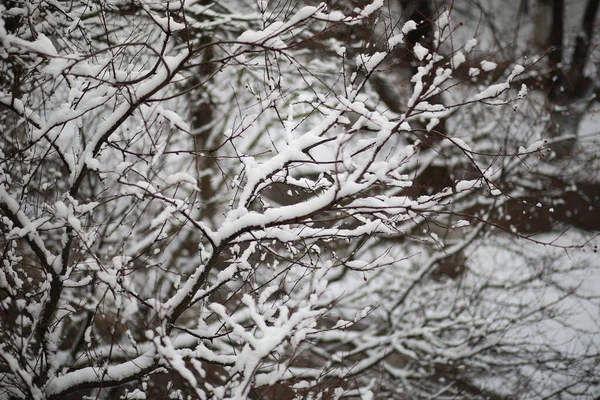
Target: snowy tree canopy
240,199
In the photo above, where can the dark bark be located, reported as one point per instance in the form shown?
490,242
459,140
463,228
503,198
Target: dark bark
579,208
423,14
569,87
556,78
419,11
556,34
582,45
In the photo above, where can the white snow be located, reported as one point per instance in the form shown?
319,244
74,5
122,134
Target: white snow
471,43
370,62
488,65
523,92
461,143
180,177
457,59
535,146
460,224
395,40
174,118
371,8
42,45
420,51
443,20
409,26
96,374
492,92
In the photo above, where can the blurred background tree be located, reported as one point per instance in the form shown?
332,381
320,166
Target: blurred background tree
282,199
